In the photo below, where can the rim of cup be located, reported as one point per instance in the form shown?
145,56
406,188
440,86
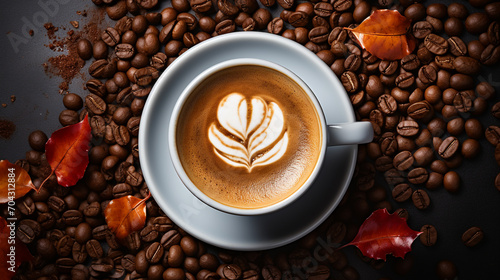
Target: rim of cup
174,156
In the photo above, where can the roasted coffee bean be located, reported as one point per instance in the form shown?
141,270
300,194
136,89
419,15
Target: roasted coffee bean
490,55
492,134
227,26
457,46
420,110
420,199
79,252
175,256
46,220
95,104
102,265
170,238
393,177
477,23
427,74
472,236
154,253
402,192
72,217
403,160
64,265
463,102
418,175
298,19
233,271
26,206
405,80
56,203
350,81
319,35
410,62
68,117
436,44
451,181
387,67
466,65
26,233
423,156
64,246
408,128
387,104
94,249
110,36
383,163
429,235
449,147
421,29
124,51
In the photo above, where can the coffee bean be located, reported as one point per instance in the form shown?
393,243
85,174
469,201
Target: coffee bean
393,177
124,51
170,238
477,23
420,199
79,252
102,265
418,175
232,271
421,29
429,235
154,253
408,128
402,192
383,163
298,19
449,147
94,249
434,181
492,134
102,69
472,236
410,62
461,82
72,217
387,104
110,36
403,160
350,81
420,110
405,80
427,74
84,49
436,44
64,265
490,55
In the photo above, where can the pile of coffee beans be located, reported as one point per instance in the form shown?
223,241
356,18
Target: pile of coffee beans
423,108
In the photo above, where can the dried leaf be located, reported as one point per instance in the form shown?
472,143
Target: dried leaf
385,35
14,181
383,233
125,215
67,152
13,252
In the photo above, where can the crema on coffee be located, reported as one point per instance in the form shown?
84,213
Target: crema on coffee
248,136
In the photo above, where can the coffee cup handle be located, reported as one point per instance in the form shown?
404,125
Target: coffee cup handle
350,133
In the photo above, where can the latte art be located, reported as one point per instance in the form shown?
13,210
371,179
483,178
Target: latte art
248,133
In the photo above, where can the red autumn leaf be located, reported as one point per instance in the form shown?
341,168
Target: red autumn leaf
13,252
125,215
67,152
383,233
385,35
14,181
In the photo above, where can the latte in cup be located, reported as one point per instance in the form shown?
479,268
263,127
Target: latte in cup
249,136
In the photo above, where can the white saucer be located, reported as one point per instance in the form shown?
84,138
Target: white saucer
233,231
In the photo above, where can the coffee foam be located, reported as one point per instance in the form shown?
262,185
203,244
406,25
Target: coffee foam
251,134
266,184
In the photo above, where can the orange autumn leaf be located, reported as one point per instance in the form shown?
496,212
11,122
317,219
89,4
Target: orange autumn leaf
14,181
125,215
67,152
13,252
385,35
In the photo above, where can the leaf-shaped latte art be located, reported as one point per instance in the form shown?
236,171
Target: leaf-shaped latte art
248,133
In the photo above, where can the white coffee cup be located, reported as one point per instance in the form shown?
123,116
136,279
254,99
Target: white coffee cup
332,135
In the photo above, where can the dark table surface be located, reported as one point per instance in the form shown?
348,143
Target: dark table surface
38,104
